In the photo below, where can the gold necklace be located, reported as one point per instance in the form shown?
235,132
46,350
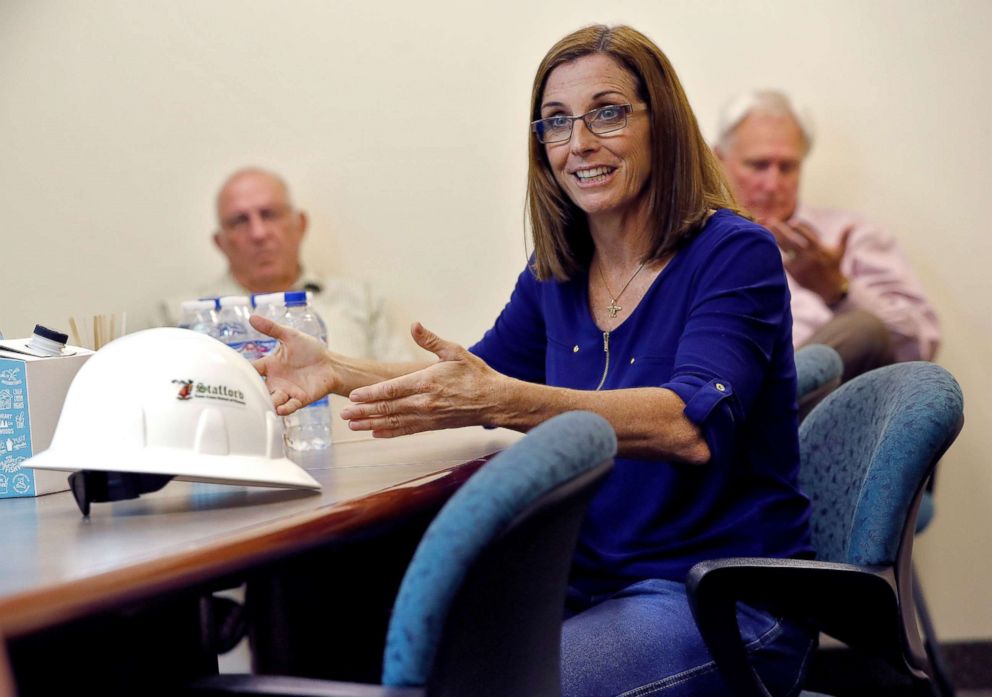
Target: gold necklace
613,308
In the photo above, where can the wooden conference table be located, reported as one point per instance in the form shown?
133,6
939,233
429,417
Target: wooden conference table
119,599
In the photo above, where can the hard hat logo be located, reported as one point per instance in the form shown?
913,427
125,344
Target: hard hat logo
189,389
185,389
221,392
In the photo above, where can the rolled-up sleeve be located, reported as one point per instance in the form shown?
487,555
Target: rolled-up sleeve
739,316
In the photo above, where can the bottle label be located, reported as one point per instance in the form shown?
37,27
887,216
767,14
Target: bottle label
248,349
230,329
265,346
325,402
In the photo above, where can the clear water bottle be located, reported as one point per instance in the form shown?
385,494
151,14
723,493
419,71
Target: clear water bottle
308,428
271,306
233,328
199,316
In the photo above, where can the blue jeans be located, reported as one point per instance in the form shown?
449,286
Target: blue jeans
643,640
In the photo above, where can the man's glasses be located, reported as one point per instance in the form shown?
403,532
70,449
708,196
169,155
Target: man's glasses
242,222
605,119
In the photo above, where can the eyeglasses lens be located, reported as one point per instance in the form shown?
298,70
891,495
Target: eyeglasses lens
557,129
609,118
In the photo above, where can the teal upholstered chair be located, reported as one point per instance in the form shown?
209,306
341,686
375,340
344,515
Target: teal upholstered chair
819,369
866,453
479,610
942,677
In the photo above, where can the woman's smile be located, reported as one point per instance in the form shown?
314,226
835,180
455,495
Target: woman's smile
589,177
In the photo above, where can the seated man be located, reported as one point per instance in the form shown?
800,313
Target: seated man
852,287
260,232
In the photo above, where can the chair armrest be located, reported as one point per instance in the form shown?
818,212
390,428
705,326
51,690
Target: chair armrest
286,686
855,604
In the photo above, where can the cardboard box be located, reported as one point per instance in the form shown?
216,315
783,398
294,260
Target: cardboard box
32,390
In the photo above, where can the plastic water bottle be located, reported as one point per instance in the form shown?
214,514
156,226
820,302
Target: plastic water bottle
271,306
233,328
308,428
199,316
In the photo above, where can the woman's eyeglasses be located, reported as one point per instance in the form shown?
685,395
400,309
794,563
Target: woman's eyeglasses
605,119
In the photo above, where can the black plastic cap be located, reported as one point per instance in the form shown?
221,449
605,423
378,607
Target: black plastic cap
50,334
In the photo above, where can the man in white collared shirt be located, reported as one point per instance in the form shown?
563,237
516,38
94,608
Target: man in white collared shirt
260,232
852,287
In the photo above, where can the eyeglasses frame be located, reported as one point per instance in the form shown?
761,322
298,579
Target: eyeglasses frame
628,109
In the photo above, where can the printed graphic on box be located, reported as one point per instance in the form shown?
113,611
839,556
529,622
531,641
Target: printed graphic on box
15,431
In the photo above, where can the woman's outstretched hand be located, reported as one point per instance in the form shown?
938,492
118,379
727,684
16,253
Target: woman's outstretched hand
298,372
458,390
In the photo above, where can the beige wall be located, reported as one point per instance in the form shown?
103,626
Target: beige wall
402,128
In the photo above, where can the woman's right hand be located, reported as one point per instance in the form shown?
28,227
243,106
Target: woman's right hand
298,372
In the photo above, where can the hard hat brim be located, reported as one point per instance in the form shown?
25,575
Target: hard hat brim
221,469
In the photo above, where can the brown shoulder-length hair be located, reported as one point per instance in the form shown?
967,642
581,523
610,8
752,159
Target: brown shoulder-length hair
685,183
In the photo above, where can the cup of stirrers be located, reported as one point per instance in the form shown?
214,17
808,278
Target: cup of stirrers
98,330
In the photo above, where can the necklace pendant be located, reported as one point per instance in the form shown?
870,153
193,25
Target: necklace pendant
613,308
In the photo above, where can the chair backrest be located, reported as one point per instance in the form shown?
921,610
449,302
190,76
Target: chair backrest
866,452
480,608
816,367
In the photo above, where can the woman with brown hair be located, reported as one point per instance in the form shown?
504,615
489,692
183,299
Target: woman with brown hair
650,301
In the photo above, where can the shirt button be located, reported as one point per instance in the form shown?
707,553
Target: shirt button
721,387
632,361
575,349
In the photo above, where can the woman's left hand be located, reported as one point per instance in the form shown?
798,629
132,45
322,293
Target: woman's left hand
458,390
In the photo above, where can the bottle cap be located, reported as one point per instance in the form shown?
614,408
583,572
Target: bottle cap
47,341
234,301
266,299
295,298
197,305
51,334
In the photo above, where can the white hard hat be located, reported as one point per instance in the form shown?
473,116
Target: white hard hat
172,402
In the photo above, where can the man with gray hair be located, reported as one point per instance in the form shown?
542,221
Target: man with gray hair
260,232
852,287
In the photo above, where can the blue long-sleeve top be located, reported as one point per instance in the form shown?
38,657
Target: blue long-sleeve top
715,328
